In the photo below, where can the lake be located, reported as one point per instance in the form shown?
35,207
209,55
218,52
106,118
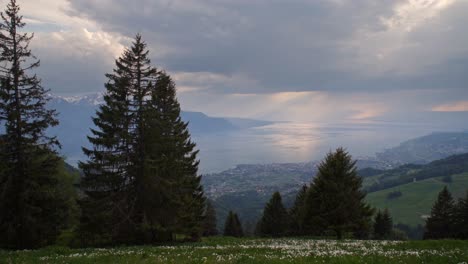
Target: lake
300,142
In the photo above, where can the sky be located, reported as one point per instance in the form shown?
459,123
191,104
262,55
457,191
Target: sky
290,60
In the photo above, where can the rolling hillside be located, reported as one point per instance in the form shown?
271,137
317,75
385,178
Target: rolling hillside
416,198
408,173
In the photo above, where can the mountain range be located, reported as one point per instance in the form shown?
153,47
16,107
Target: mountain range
76,112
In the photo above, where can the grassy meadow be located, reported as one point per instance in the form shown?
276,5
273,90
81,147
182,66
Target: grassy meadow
231,250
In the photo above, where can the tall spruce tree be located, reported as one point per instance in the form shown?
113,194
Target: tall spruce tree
233,226
296,212
274,221
209,224
34,194
173,159
440,223
335,201
141,181
109,182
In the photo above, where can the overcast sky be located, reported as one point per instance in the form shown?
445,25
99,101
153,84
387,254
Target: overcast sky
301,60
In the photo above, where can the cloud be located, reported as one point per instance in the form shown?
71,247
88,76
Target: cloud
292,106
301,45
75,61
297,60
452,107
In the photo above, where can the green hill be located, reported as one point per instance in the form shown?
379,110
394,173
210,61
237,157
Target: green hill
455,164
416,198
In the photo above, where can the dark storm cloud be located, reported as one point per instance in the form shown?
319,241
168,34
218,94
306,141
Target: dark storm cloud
295,45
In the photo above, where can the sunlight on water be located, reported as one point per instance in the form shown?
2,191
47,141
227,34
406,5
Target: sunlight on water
299,142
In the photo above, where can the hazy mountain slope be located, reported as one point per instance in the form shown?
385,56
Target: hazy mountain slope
75,116
426,149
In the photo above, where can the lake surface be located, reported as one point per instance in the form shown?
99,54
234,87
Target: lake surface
293,142
300,142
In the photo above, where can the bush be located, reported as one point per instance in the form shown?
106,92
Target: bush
394,195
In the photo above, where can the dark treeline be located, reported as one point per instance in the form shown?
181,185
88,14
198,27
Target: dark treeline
448,219
140,183
333,205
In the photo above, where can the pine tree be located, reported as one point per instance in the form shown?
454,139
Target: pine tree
461,218
108,209
233,226
141,181
388,223
209,224
383,225
174,159
440,223
297,211
34,194
335,201
274,221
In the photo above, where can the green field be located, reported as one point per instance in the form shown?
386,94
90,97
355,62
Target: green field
417,198
230,250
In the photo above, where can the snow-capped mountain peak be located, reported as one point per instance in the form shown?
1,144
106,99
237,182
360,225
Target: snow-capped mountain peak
91,99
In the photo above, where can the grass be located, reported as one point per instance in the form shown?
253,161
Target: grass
417,198
231,250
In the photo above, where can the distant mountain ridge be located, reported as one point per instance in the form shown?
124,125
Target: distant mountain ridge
90,99
428,148
76,112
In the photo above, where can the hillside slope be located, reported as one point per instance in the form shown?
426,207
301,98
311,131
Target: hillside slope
410,172
416,198
428,148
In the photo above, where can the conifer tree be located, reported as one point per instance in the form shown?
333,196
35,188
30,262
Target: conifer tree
383,225
440,223
141,181
173,158
108,209
34,197
233,226
296,212
209,224
461,218
274,221
335,201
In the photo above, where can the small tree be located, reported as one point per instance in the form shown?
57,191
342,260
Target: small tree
383,225
233,226
297,212
209,224
440,223
274,221
335,201
461,218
